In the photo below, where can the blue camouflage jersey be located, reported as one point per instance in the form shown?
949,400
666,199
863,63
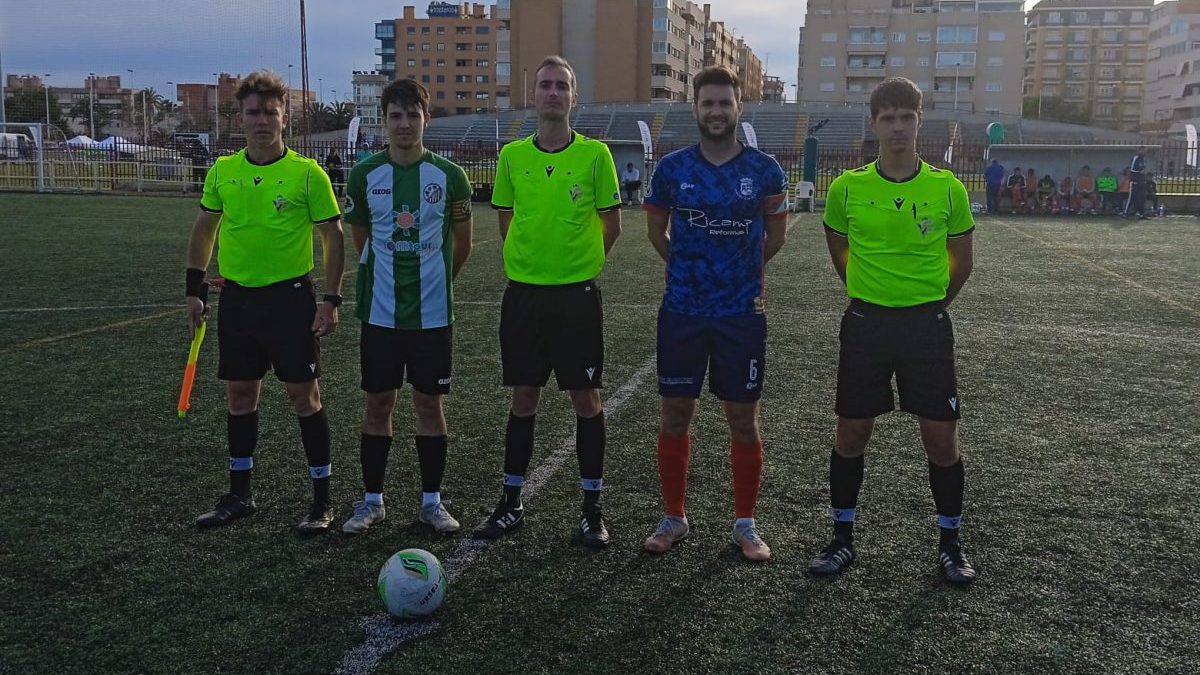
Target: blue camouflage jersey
718,228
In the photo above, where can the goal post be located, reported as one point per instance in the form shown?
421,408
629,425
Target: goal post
23,155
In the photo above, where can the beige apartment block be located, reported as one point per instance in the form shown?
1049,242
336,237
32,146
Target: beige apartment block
1091,53
1172,97
458,51
750,72
966,55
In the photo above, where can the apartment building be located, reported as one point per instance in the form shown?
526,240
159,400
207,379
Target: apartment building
964,54
1091,53
459,52
1172,95
750,72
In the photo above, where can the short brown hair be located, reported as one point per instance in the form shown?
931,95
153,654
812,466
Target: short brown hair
405,94
895,92
264,83
718,75
556,60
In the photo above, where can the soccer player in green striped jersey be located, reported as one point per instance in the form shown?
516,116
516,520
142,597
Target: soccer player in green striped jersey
410,212
899,232
263,203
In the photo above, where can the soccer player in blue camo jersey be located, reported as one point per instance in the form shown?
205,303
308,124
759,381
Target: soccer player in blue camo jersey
716,213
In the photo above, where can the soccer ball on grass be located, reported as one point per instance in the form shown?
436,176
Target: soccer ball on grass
412,584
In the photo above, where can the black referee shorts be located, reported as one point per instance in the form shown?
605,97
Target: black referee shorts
915,344
559,328
270,327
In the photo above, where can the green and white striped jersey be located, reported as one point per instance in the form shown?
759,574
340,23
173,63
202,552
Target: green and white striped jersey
405,270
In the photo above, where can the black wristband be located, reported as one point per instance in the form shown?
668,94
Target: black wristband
335,300
195,278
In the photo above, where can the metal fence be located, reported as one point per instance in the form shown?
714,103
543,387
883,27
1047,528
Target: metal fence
136,168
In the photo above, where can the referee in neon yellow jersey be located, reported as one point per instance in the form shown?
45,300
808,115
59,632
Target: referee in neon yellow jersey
899,232
559,204
264,201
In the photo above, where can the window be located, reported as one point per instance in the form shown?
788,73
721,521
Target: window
996,36
1137,16
1054,36
481,79
425,46
1079,36
953,59
898,36
826,86
957,34
924,36
993,86
412,30
828,37
412,46
897,61
412,63
481,30
662,24
1105,109
865,36
482,95
441,46
462,46
923,85
425,79
441,79
658,47
462,95
462,78
995,61
1108,73
1136,35
462,30
828,61
922,61
424,30
424,63
1079,17
1078,55
1109,35
441,63
1052,55
854,85
1054,17
1112,17
441,30
1106,91
440,94
483,47
462,63
660,4
482,63
1050,73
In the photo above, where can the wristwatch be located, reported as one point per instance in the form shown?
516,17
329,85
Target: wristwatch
335,300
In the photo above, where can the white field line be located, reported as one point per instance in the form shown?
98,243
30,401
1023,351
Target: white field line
384,634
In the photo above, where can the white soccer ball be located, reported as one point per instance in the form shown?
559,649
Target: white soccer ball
412,584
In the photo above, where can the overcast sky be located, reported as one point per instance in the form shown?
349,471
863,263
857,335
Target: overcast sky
188,40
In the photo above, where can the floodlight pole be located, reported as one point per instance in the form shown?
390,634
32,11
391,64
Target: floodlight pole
216,111
2,99
92,105
46,88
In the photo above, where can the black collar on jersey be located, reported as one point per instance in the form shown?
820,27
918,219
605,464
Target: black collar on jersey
700,154
920,163
247,155
554,152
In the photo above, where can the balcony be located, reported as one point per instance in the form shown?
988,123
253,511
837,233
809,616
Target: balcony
866,48
381,51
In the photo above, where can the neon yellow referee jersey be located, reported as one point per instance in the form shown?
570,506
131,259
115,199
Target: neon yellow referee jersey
556,235
897,232
267,215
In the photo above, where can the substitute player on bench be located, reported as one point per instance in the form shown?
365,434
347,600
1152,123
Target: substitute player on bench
266,199
716,213
560,213
410,212
899,233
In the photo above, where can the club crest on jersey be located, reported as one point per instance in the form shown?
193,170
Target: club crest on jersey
576,192
405,219
746,188
280,203
432,193
349,205
924,226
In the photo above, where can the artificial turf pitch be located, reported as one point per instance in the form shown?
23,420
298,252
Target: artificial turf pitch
1077,346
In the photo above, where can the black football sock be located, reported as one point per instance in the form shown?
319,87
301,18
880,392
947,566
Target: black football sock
314,434
518,451
845,481
242,435
589,449
373,454
431,455
946,484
